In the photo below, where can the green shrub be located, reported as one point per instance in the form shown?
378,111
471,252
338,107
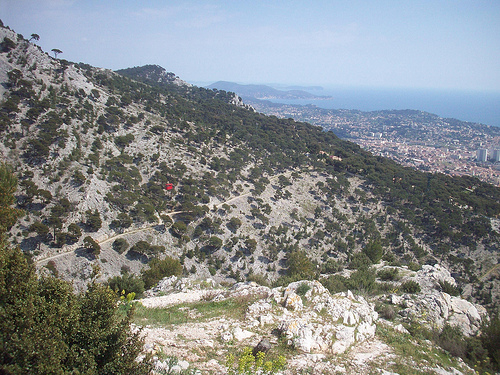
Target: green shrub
248,363
124,140
335,283
144,248
449,288
93,221
302,289
362,280
387,312
233,224
92,245
51,266
128,283
331,266
120,245
412,266
388,274
160,268
490,337
214,243
258,278
359,261
300,267
452,339
410,286
374,251
178,228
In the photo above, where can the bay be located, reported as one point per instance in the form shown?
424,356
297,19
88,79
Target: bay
473,106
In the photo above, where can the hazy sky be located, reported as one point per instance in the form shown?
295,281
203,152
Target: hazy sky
451,44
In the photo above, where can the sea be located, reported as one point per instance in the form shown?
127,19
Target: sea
473,106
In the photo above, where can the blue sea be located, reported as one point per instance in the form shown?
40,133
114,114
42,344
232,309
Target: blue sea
474,106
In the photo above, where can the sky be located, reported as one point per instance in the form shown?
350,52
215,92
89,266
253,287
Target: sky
431,44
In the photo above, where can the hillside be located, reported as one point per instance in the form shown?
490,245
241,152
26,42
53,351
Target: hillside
94,150
121,169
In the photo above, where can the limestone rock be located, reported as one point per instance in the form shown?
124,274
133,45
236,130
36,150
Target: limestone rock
240,335
435,308
293,302
325,322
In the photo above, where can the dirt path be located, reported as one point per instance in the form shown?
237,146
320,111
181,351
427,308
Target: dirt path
495,267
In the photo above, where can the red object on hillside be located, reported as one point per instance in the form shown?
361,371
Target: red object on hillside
169,186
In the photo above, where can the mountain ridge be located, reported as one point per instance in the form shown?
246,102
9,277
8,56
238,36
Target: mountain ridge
263,91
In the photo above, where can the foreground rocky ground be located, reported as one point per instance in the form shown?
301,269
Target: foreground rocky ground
192,326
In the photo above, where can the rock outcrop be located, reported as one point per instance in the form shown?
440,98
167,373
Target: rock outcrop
434,308
315,321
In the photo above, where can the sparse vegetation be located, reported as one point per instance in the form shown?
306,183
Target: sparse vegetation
410,286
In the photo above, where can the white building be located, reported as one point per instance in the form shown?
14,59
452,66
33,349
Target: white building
482,154
495,155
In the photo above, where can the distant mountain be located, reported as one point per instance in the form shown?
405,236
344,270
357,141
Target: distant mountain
263,91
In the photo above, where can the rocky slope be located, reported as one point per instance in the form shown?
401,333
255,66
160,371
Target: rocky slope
316,331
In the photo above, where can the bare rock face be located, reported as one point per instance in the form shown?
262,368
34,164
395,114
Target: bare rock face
316,321
238,102
434,308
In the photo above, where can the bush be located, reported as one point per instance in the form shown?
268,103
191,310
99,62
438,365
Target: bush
359,261
452,339
94,221
122,221
490,337
335,284
362,280
410,286
178,228
331,266
412,266
449,288
160,268
374,251
120,245
128,283
387,312
302,289
248,363
144,248
92,245
233,224
258,278
140,247
300,266
214,243
51,266
388,274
